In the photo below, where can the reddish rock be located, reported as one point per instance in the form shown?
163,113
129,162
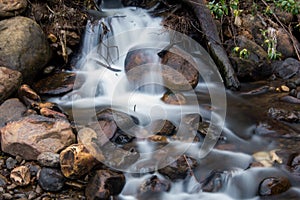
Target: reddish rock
161,127
155,184
28,96
103,184
35,134
273,186
174,98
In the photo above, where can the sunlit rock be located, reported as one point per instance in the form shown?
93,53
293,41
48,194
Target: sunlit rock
75,161
20,175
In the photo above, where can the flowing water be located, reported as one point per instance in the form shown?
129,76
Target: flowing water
101,63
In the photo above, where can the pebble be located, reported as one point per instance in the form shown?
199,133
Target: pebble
297,82
10,163
298,95
3,180
7,196
284,88
293,93
20,175
291,85
290,99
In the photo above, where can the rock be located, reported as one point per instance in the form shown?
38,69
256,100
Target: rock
51,179
255,67
161,127
214,182
289,68
122,120
158,138
284,115
284,88
3,181
28,96
273,186
105,129
155,184
76,161
103,184
11,110
20,176
10,163
32,135
179,169
290,99
294,163
293,93
58,84
291,85
177,72
174,98
48,159
297,82
52,114
9,81
285,44
28,50
122,138
12,8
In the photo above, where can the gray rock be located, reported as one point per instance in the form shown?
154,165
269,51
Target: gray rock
10,8
48,159
11,110
3,181
35,134
10,80
51,179
23,46
10,163
289,68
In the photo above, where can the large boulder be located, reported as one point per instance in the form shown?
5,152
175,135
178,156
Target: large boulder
23,46
35,134
9,8
10,80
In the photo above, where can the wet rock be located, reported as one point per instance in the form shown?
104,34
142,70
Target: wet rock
48,159
103,184
28,50
10,163
35,134
290,99
58,84
51,179
289,68
9,81
177,72
158,138
294,163
28,96
255,67
20,176
12,8
75,161
214,182
52,114
174,98
293,93
285,44
291,85
155,184
284,115
11,110
105,129
161,127
284,88
122,120
180,168
273,186
192,120
122,138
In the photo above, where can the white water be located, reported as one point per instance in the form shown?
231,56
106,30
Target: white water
104,87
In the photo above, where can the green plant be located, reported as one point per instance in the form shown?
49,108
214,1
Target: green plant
271,41
218,9
292,6
242,53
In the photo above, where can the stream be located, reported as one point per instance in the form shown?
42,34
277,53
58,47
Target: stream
224,155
